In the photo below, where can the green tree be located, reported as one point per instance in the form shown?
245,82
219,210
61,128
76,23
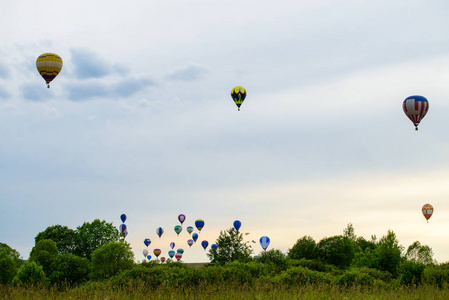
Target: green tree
419,253
110,259
12,253
44,253
336,250
388,253
63,236
230,247
275,257
304,248
29,273
8,267
69,269
349,232
91,236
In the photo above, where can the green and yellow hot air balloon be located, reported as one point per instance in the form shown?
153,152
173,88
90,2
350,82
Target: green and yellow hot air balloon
49,65
238,94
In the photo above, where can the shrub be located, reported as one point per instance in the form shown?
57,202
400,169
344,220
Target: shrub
110,259
275,257
69,269
8,267
30,273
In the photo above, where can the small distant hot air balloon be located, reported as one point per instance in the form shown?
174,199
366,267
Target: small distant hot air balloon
180,250
147,242
149,257
159,231
195,237
204,244
190,229
178,229
178,256
145,252
427,211
238,94
125,234
49,65
264,242
162,259
122,228
237,224
172,245
181,218
123,218
157,252
190,242
171,253
214,247
199,224
415,108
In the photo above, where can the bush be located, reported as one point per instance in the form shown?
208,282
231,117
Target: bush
355,277
110,259
30,274
438,275
312,264
275,257
69,269
303,248
8,267
302,276
411,272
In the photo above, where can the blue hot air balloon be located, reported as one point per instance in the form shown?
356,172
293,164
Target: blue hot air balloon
171,253
147,242
264,242
172,245
214,246
204,244
237,224
199,224
149,257
195,237
190,229
123,218
159,231
122,228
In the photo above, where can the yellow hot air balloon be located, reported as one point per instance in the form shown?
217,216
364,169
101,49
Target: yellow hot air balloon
49,65
238,94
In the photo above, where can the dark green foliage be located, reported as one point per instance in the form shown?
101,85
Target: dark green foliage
302,276
275,257
230,247
312,264
336,250
437,275
44,253
91,236
110,259
29,274
12,253
63,236
411,272
8,267
69,269
364,244
388,253
303,248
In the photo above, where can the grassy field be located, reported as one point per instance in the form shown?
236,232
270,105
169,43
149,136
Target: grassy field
233,291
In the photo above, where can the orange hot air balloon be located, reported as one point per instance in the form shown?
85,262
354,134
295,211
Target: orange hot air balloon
157,252
427,211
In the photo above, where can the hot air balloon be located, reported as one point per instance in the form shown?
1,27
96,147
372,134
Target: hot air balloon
123,218
190,229
157,252
159,231
181,218
178,229
190,242
172,245
264,242
214,247
147,242
149,257
122,228
125,234
427,211
199,224
162,259
238,94
180,250
171,253
49,65
237,224
178,256
415,108
204,244
145,252
195,237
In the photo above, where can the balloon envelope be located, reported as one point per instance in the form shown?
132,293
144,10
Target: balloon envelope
214,246
190,242
122,228
415,108
49,65
180,250
181,218
145,252
172,245
199,224
178,229
157,252
147,242
123,218
159,231
204,244
264,242
149,257
190,229
427,211
238,94
162,259
178,256
171,253
195,237
237,224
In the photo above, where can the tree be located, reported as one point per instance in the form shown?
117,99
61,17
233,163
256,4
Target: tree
304,248
349,232
91,236
12,253
63,236
336,250
419,253
388,253
8,267
110,259
275,257
69,269
44,253
29,273
230,247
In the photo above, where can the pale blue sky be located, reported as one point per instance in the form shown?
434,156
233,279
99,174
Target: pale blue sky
140,120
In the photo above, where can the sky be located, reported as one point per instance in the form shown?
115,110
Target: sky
140,120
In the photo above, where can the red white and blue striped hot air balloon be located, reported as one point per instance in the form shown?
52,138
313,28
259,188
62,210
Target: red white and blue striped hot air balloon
415,108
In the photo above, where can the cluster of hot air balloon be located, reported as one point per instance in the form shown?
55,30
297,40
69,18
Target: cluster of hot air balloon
123,228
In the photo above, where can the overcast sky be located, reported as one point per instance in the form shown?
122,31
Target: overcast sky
140,120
